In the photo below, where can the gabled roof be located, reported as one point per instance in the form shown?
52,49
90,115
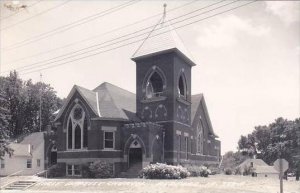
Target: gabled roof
162,39
34,139
115,102
256,162
29,143
198,101
259,166
266,170
107,101
20,149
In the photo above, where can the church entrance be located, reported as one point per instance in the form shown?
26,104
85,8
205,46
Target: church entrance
135,156
53,156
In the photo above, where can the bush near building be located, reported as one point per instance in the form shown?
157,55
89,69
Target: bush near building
228,171
164,171
99,169
196,171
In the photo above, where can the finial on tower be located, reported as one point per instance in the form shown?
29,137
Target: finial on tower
165,12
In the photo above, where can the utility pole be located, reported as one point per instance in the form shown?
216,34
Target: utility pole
41,92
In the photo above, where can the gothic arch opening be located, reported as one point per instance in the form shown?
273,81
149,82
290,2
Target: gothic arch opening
154,83
182,87
53,155
200,137
77,128
135,154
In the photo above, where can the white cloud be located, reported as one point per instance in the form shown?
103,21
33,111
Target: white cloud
287,11
225,31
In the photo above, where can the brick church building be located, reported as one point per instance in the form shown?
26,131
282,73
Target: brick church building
162,122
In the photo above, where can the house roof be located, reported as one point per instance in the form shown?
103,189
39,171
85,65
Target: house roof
28,144
162,39
256,162
34,139
20,149
266,170
107,101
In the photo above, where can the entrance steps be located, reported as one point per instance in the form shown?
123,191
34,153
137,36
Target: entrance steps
132,172
20,185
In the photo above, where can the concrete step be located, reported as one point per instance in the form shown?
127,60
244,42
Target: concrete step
20,185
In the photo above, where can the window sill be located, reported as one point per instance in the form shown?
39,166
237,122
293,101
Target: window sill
109,149
184,101
154,99
83,149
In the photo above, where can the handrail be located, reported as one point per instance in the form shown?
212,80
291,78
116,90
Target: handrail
10,176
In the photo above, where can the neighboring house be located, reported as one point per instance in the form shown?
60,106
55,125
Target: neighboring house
162,122
27,158
260,168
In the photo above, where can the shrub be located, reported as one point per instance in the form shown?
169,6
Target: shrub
86,172
55,171
164,171
101,169
214,170
228,171
237,171
248,170
199,171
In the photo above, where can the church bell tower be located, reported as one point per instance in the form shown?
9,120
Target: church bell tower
163,76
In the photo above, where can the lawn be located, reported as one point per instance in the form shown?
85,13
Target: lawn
212,184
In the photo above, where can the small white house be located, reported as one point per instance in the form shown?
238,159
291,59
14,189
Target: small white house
27,158
260,168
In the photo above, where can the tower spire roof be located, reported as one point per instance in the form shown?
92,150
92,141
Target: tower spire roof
162,39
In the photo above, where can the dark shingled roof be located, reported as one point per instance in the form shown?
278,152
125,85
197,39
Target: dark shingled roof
115,102
112,102
196,99
107,101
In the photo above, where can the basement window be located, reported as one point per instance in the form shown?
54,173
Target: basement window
73,170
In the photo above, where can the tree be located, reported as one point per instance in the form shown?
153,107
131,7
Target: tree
4,148
232,159
23,104
278,139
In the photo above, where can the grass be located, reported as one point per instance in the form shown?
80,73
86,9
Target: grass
213,184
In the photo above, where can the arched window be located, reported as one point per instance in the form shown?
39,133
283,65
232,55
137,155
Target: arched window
182,89
200,138
154,83
85,133
77,128
70,134
77,137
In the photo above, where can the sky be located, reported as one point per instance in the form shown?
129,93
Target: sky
248,62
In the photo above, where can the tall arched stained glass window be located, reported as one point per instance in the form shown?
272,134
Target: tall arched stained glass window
200,137
77,135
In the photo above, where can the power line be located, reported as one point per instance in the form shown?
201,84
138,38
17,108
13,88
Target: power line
31,5
52,66
29,18
69,26
120,37
96,36
70,53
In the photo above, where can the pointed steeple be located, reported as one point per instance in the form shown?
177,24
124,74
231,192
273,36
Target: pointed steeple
162,39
